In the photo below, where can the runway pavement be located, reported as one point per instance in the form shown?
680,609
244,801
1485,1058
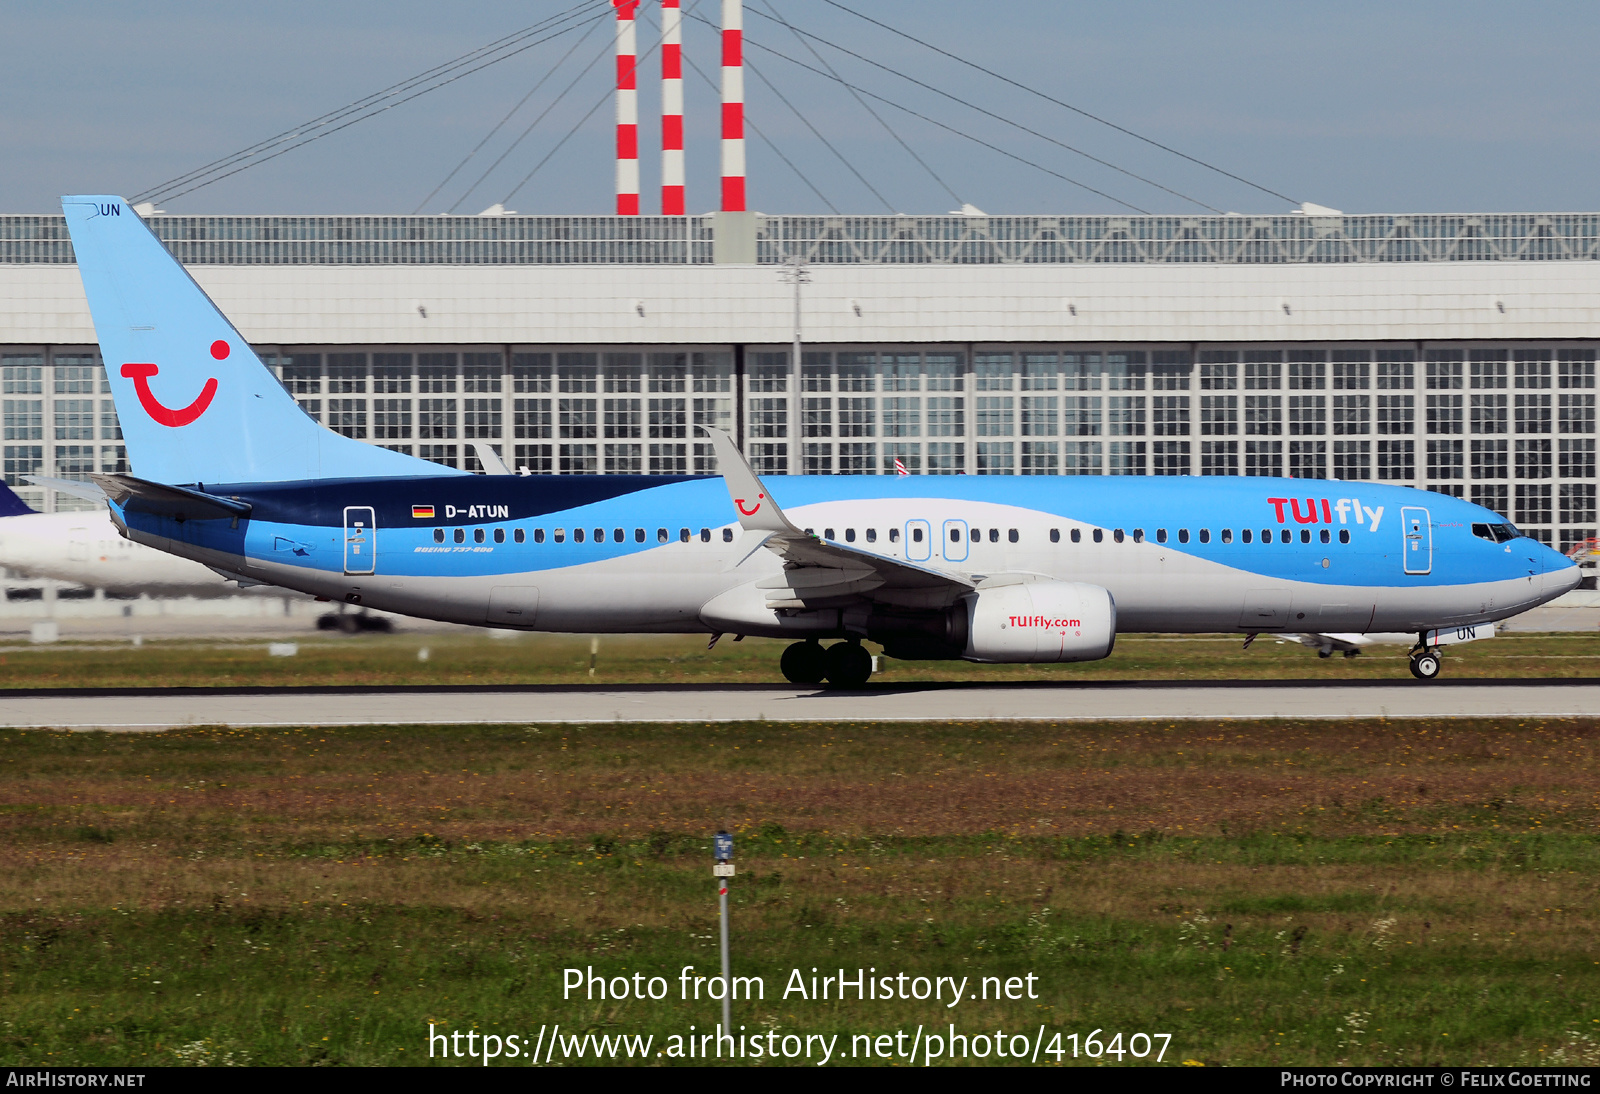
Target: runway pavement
157,709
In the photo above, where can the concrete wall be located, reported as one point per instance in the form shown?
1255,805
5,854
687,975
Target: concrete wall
702,305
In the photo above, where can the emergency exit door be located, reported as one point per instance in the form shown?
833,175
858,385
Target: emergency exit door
1418,531
360,540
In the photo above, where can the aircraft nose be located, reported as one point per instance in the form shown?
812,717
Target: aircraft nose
1561,574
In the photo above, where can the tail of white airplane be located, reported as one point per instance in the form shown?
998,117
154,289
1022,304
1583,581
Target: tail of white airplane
196,403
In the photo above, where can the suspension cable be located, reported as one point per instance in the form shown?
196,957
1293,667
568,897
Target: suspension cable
999,117
770,143
863,104
605,48
1064,105
498,125
363,109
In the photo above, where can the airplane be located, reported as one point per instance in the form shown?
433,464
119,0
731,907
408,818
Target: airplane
229,472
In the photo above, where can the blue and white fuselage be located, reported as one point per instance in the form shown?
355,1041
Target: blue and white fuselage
612,553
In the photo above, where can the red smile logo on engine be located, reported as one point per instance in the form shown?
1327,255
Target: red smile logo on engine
140,373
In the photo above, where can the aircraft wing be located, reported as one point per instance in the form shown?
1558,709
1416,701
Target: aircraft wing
818,573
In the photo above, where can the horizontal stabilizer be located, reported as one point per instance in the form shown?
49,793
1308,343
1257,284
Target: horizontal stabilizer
77,488
172,502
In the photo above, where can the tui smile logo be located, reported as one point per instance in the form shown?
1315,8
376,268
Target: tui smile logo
140,373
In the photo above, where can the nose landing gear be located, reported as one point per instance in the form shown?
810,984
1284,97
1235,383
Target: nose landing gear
844,664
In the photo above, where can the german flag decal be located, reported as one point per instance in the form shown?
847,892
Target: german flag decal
422,512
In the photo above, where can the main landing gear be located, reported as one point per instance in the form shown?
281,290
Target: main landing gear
844,664
1425,663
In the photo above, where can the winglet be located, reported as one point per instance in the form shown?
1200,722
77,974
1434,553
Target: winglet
492,463
758,511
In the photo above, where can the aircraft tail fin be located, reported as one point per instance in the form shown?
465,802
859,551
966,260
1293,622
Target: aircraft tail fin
10,504
195,402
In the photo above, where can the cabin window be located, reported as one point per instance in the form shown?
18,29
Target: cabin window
619,535
1011,535
638,535
916,535
1205,535
662,535
1344,535
1227,535
1305,535
976,535
1288,536
1077,535
683,535
522,537
1327,536
994,535
577,535
1244,535
438,535
1266,535
955,535
894,535
560,535
705,535
1138,535
849,535
1183,535
827,533
1116,534
499,535
477,535
1055,535
599,535
461,535
872,535
1099,535
727,535
1161,535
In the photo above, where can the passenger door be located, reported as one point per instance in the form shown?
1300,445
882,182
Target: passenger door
360,540
919,541
1418,531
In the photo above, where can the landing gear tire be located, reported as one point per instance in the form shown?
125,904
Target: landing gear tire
1426,665
1324,654
847,665
805,663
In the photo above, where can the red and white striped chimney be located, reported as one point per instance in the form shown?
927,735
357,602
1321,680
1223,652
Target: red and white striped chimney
671,109
627,110
732,106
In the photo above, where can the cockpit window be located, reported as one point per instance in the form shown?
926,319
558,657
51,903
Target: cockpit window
1496,533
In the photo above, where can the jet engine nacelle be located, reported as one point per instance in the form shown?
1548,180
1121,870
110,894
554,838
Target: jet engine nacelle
1042,621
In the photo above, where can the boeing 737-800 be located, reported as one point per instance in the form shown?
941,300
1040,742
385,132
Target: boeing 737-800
231,473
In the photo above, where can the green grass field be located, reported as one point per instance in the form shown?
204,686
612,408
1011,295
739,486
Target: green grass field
1267,893
560,659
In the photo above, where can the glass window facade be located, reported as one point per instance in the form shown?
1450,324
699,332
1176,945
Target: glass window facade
1513,426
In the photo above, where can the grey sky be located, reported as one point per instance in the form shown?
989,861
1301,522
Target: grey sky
1365,106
